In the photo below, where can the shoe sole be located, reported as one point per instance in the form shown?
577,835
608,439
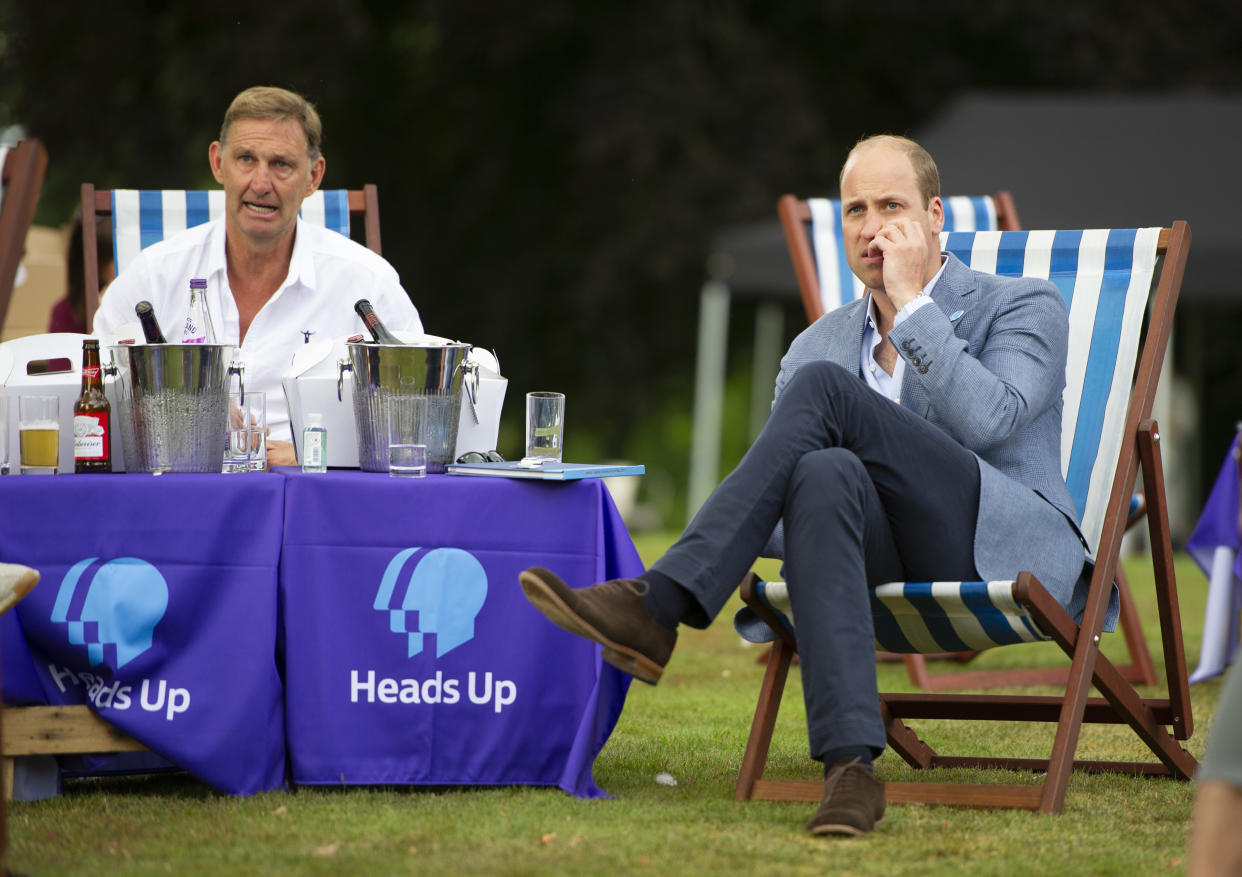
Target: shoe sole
625,659
842,829
21,588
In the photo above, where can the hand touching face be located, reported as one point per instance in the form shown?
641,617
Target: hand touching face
892,241
901,246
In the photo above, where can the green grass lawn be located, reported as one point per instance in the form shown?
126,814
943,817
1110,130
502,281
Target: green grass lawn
693,727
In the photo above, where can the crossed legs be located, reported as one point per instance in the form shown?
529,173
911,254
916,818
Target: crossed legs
869,492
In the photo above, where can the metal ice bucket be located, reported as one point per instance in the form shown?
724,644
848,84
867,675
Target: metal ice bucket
172,409
382,371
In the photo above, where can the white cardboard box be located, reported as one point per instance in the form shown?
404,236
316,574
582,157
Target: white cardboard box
15,381
311,386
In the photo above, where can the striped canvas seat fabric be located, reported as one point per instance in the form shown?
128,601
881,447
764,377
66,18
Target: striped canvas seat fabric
141,217
1105,276
923,617
837,284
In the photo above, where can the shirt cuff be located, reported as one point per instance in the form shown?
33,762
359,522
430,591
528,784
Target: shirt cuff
910,307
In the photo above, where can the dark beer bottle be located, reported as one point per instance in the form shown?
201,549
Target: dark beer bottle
92,427
372,322
150,325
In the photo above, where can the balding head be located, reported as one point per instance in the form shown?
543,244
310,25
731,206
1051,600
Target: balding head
926,175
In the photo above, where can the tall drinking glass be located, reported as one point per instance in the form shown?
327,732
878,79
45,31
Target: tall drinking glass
246,450
407,426
38,423
545,425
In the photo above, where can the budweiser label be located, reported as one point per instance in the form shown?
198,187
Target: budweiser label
90,436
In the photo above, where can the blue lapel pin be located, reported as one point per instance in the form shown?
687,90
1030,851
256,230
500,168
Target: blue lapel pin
953,316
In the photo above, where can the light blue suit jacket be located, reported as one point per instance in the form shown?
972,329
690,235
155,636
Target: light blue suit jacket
986,363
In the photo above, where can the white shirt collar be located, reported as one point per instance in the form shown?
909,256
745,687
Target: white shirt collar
301,260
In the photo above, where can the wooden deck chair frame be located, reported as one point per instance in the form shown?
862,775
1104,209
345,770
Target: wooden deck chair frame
363,202
795,217
24,166
1159,722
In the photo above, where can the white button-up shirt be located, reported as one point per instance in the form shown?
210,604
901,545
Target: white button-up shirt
878,379
327,274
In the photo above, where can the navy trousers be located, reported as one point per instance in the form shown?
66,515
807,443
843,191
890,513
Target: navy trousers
869,492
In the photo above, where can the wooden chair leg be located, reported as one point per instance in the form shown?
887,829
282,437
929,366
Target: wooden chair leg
757,745
1140,670
916,669
1166,582
904,741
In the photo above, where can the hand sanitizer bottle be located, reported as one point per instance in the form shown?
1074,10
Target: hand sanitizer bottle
314,445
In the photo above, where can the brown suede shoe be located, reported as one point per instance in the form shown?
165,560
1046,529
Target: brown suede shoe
612,614
853,801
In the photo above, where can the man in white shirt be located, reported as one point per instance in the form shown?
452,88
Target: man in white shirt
273,281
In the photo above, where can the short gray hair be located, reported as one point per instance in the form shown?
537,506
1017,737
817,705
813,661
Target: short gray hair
271,103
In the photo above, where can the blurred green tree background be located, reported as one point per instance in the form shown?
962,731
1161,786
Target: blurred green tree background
551,172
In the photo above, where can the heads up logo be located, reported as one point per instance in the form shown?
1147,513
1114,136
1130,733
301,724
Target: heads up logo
443,595
124,601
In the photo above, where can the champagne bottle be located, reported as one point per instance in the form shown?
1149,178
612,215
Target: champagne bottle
92,438
150,325
372,322
198,329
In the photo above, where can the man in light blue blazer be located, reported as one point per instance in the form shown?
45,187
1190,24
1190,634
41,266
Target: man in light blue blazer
915,436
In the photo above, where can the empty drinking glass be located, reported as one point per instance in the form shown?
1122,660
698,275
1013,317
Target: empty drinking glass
407,448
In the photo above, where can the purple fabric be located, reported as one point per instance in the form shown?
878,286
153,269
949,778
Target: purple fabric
158,605
1218,522
21,682
412,655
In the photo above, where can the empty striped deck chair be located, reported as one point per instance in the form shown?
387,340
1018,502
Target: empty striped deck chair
1106,277
817,245
817,249
141,217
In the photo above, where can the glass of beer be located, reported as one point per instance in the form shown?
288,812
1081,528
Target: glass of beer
38,425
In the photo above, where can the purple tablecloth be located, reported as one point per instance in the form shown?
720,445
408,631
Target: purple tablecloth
157,606
170,604
411,654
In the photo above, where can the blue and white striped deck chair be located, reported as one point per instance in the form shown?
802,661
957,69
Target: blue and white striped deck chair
141,217
817,250
1119,328
817,245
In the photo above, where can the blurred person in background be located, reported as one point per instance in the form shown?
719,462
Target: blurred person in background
1216,821
69,314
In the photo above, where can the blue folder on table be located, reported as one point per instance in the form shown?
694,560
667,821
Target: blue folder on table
546,472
